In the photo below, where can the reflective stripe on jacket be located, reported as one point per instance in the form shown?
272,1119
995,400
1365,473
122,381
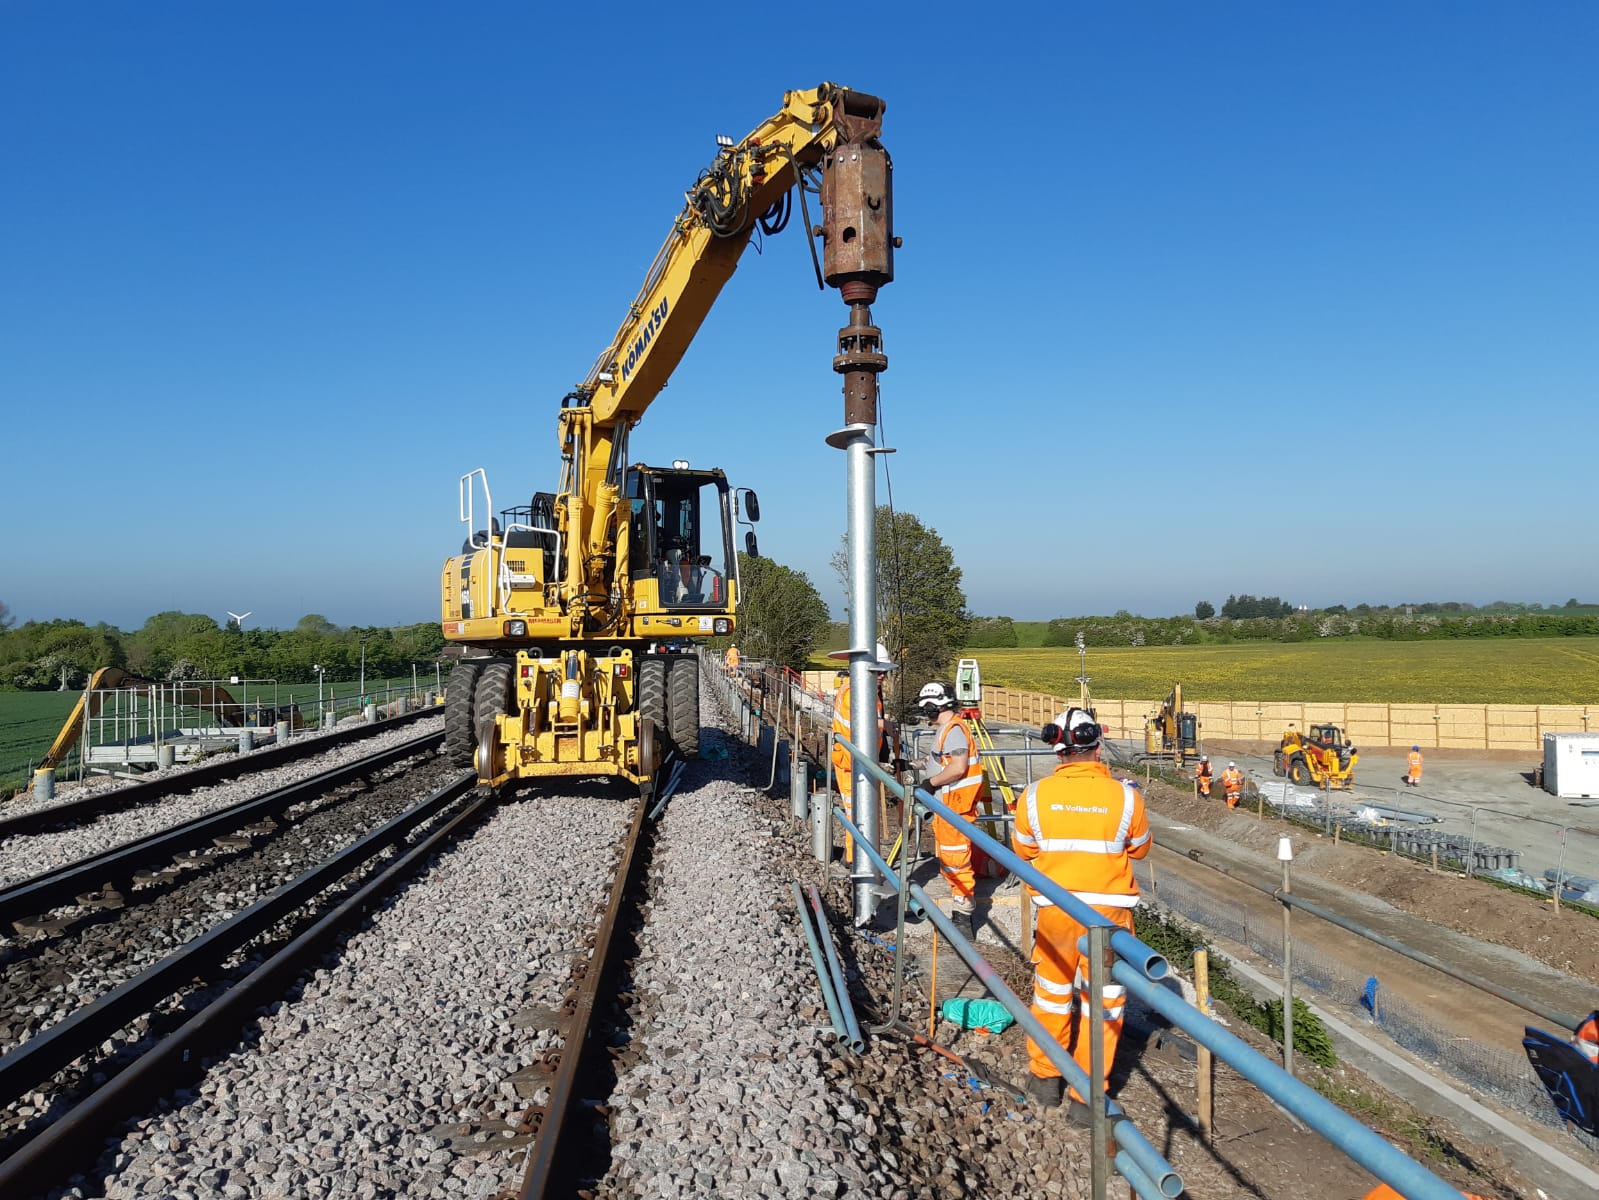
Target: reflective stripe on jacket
1083,829
963,793
1232,779
1415,762
841,759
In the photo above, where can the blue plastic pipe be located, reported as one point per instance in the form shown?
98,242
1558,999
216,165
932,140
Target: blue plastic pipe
852,1029
823,976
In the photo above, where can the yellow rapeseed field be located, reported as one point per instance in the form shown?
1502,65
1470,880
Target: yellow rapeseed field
1475,671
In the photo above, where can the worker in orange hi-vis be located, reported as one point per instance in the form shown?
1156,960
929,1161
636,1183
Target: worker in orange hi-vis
955,774
1202,776
843,767
1232,782
1413,776
1082,828
1383,1192
732,660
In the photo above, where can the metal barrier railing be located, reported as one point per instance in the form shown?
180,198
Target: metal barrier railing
1113,955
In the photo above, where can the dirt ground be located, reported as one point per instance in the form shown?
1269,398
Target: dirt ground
951,1138
1567,940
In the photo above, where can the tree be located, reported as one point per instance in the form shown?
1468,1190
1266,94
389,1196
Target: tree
1204,610
921,609
781,615
5,617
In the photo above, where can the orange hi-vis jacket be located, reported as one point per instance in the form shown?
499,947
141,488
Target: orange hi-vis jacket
961,795
843,769
1232,779
1414,759
1083,829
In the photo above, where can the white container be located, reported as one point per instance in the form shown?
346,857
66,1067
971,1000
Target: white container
1571,765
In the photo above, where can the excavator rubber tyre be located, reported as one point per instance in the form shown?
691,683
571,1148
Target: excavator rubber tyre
1299,772
683,705
1279,764
459,698
652,692
494,694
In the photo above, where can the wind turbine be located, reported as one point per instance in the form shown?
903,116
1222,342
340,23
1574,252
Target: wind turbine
238,619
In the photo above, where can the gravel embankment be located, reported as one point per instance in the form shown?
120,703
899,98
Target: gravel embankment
410,1029
26,856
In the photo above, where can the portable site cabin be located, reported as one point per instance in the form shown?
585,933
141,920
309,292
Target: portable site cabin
1571,765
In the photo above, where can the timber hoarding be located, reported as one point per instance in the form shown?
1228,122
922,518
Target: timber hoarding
1515,727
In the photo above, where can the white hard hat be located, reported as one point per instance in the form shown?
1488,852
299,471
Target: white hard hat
1072,732
1204,758
1232,764
884,662
935,697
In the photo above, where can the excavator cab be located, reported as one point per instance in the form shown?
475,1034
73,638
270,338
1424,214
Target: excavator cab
680,543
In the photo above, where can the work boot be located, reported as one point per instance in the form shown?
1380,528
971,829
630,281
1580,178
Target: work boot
961,918
1045,1093
1079,1114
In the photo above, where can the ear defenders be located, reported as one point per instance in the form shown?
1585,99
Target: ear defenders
1072,736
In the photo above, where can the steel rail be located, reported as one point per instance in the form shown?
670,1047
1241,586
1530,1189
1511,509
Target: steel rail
73,812
546,1166
59,1149
42,1055
1526,1003
56,888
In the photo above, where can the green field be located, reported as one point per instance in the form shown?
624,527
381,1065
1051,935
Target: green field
30,721
1478,671
1473,671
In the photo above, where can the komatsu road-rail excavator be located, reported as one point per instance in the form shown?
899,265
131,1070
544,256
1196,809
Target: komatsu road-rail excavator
573,614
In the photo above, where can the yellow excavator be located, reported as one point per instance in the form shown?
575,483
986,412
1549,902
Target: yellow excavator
574,616
1171,732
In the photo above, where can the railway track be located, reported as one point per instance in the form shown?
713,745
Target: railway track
187,918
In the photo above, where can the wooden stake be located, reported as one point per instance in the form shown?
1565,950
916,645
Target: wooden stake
932,1002
1202,1003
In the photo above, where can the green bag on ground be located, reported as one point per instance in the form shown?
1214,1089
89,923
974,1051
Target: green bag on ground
975,1014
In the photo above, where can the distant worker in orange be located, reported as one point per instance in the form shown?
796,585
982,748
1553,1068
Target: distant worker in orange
1232,782
1413,777
1083,829
1202,776
955,775
732,660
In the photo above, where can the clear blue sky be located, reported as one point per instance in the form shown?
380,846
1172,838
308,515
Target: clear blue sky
1288,299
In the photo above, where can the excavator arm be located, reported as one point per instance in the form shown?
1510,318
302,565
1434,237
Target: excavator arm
570,617
749,185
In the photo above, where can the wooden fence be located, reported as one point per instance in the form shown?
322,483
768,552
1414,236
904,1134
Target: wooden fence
1518,727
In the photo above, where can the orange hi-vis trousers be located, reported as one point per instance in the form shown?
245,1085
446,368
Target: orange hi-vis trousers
955,856
1060,985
